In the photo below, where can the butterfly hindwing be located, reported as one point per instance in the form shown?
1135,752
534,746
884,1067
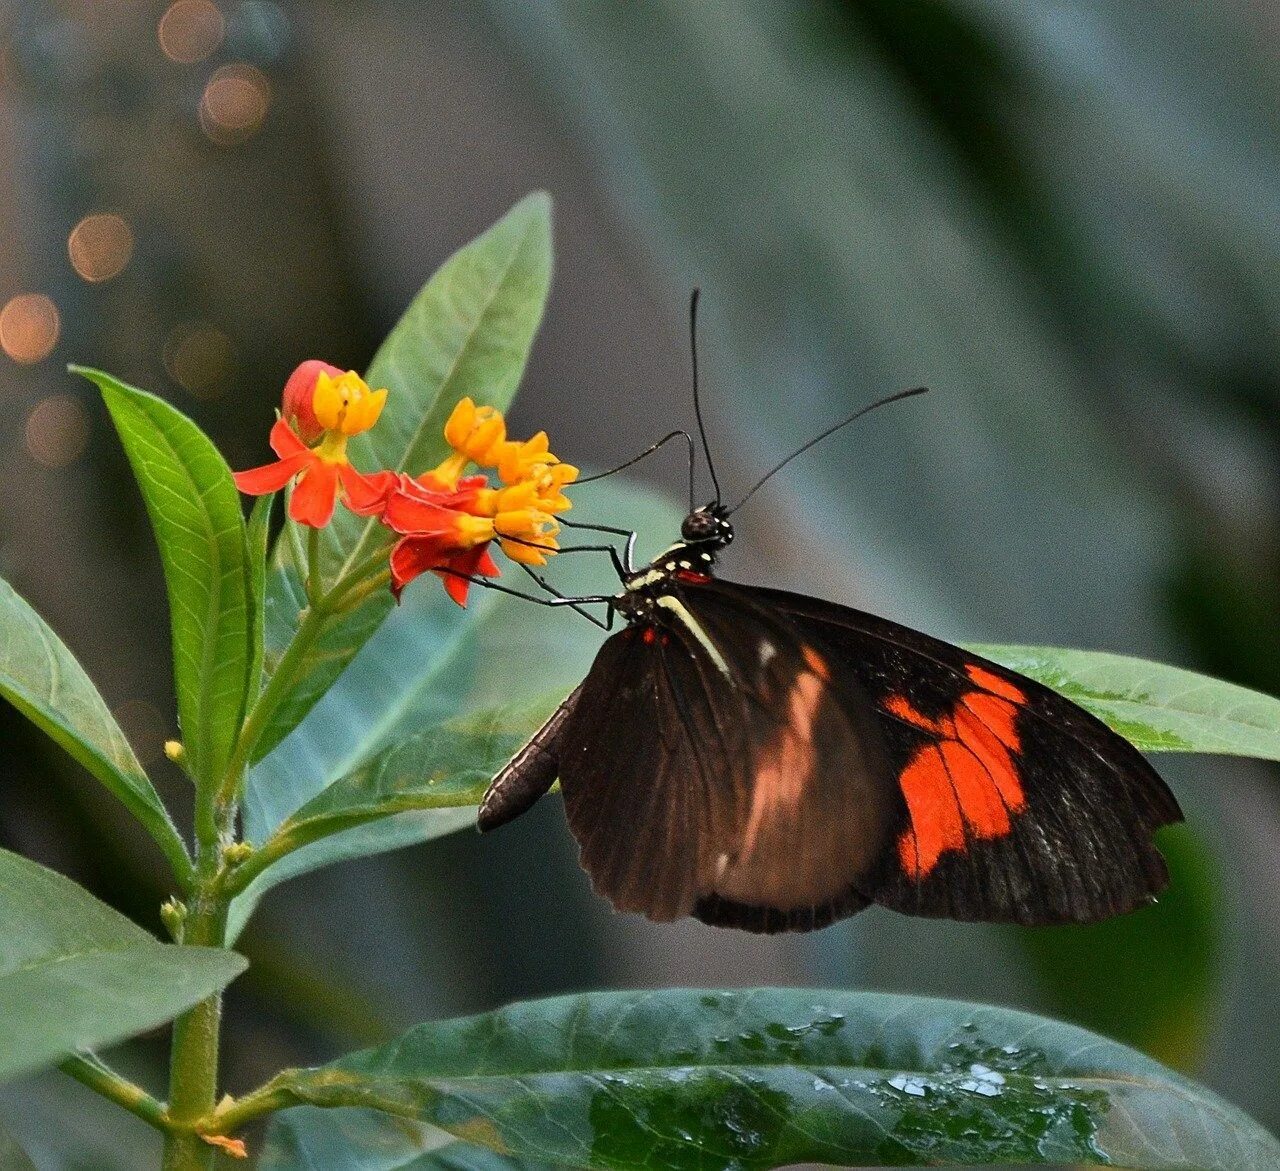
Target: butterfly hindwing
709,769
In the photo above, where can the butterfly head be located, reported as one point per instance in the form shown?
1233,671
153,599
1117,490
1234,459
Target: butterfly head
707,525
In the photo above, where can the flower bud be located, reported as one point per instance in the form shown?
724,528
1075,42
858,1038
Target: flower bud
298,405
173,914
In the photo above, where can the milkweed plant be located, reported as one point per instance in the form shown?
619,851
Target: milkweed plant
315,725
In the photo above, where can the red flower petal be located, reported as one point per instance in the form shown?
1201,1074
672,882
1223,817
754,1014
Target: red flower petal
367,495
414,515
284,442
270,477
472,562
414,555
315,494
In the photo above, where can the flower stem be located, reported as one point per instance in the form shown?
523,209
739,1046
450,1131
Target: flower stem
193,1062
90,1071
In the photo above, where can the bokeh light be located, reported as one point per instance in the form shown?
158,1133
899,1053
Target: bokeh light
57,430
190,30
29,326
199,357
235,103
100,246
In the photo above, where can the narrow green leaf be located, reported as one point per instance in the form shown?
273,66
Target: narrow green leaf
759,1079
257,536
468,332
1157,707
421,788
74,974
195,514
365,1140
43,680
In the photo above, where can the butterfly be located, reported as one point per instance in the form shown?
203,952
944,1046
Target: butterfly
768,761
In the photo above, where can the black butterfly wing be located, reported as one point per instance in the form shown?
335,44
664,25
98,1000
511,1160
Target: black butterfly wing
709,768
1016,804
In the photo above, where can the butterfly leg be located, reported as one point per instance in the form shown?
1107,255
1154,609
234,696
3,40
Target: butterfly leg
618,566
556,602
607,624
630,534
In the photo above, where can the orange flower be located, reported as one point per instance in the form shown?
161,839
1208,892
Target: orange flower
447,521
439,532
340,405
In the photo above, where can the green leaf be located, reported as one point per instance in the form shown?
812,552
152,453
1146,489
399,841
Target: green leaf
1156,707
364,1140
12,1156
257,535
425,714
42,679
74,974
195,514
758,1079
1151,978
468,332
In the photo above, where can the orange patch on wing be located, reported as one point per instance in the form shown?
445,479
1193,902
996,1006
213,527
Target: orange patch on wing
990,681
937,824
965,785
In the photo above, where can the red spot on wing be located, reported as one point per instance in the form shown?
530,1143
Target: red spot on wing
649,634
692,577
965,784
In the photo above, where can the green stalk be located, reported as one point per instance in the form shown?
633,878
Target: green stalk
90,1071
193,1061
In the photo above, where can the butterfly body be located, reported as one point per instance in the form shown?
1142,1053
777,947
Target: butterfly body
767,761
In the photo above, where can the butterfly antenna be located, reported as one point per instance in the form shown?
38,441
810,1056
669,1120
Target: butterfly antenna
881,402
697,404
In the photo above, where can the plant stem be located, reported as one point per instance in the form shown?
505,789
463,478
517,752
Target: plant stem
193,1062
90,1071
266,1099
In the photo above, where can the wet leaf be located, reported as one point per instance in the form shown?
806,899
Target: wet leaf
468,332
364,1140
1157,707
43,680
757,1079
199,527
74,974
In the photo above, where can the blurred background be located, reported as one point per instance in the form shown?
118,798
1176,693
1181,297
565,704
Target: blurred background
1061,216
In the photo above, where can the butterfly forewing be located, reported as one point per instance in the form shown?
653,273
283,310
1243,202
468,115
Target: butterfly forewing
1020,806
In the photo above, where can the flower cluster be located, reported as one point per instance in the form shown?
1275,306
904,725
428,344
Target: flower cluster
444,518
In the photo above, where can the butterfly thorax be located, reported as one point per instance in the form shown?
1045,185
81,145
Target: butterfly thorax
690,561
